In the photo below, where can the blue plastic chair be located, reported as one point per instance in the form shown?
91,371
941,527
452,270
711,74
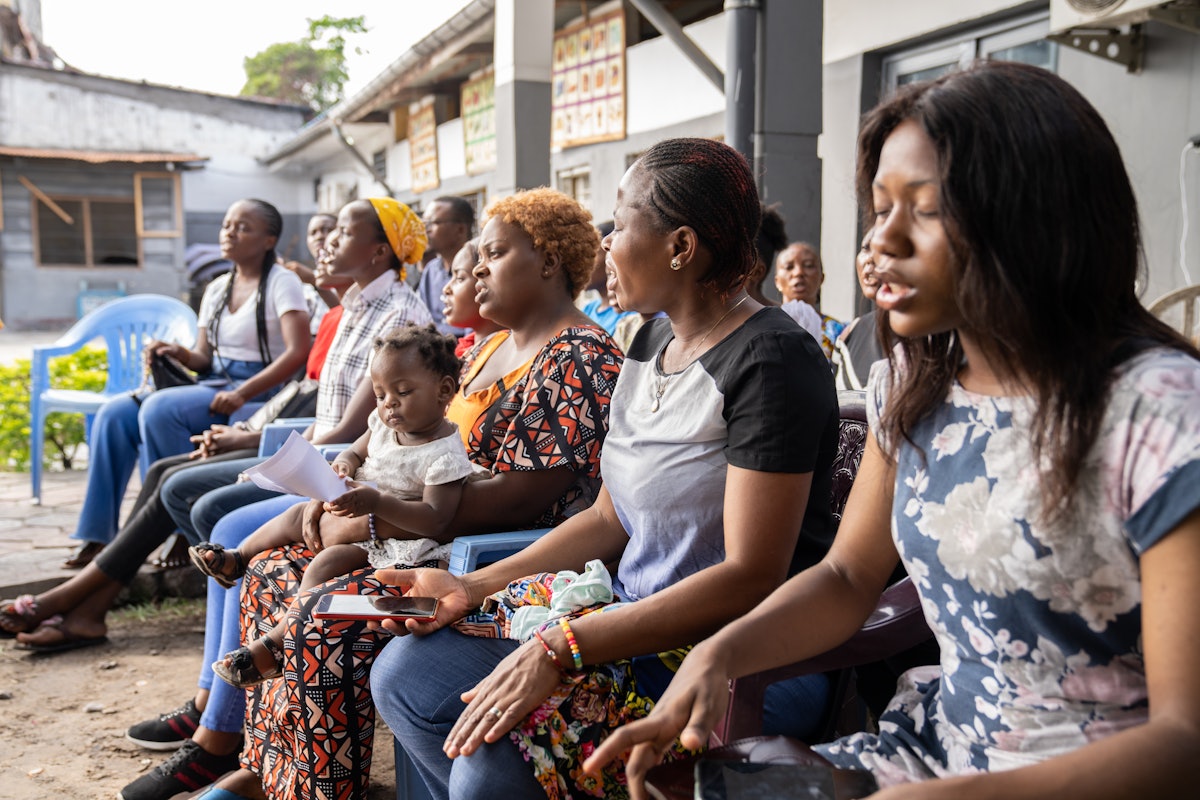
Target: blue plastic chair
467,553
126,325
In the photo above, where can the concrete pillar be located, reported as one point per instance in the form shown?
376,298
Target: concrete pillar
524,41
790,114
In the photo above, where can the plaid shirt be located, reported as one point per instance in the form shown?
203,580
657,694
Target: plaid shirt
385,303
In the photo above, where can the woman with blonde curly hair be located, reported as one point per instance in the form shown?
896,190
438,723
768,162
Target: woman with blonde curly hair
533,410
702,510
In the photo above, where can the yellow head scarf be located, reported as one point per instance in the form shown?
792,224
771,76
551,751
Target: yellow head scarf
404,229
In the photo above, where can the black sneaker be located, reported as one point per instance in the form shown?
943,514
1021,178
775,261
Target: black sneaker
167,732
190,768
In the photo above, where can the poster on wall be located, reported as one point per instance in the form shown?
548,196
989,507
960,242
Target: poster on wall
422,142
588,80
479,121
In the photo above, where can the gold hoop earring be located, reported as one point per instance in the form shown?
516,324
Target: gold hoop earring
676,264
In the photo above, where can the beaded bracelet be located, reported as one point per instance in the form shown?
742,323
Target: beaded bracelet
553,656
371,528
576,658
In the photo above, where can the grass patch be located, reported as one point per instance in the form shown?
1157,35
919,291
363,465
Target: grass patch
166,609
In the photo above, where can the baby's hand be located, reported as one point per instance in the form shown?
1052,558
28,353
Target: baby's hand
342,469
359,501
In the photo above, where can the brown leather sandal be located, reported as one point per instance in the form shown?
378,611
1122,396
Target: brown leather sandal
219,570
240,670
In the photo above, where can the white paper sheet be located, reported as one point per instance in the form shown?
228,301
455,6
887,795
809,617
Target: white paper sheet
298,468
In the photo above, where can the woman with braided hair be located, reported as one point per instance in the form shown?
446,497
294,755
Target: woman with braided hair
253,338
705,397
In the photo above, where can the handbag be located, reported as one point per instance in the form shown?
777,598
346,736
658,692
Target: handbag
166,371
294,399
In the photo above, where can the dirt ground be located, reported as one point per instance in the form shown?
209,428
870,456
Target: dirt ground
63,717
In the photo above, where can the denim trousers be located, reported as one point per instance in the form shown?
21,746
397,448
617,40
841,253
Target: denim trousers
226,705
158,427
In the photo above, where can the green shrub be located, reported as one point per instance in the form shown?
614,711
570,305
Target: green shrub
85,370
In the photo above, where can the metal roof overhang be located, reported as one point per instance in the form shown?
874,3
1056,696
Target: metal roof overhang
101,156
438,62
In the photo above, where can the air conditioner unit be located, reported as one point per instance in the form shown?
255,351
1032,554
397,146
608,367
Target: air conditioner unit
1066,15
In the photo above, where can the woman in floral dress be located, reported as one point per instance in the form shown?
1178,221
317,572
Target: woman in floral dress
1035,456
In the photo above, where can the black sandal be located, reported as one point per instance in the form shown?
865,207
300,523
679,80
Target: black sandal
241,671
218,570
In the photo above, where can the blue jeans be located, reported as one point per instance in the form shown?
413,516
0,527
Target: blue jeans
226,705
197,498
421,705
119,430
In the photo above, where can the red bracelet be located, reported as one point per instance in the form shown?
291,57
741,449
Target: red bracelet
550,652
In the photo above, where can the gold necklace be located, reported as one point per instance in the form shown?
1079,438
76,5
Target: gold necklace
660,388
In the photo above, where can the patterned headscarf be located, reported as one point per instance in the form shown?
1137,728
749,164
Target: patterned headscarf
404,229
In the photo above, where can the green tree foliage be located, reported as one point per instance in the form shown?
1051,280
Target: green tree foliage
310,72
86,369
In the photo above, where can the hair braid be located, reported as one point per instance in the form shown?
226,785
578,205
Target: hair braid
707,186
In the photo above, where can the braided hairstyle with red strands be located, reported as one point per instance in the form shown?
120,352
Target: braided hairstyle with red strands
707,186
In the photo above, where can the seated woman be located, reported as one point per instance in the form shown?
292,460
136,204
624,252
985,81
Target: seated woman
80,606
703,510
533,406
857,346
373,242
253,337
459,306
1035,456
798,277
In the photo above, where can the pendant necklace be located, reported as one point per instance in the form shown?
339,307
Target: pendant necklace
661,387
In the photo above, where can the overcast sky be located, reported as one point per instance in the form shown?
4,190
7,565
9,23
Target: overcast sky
201,45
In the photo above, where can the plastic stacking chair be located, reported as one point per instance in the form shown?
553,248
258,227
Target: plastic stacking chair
1178,309
126,326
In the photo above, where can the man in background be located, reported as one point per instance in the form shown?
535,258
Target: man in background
449,223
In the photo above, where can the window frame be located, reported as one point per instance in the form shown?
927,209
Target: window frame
960,50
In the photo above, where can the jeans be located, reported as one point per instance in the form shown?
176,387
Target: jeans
199,497
421,705
149,524
163,423
222,632
170,416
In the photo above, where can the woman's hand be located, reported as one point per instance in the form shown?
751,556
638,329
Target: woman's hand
226,402
311,526
689,710
359,501
222,439
176,351
452,593
518,685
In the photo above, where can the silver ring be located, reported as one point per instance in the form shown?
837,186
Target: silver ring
496,712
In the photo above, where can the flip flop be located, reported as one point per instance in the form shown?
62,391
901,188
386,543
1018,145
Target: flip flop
65,642
18,616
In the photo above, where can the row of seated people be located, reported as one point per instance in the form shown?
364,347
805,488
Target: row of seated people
1034,530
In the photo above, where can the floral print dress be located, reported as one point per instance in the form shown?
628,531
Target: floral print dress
1039,626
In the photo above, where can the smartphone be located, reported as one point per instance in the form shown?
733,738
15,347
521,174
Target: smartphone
374,607
739,780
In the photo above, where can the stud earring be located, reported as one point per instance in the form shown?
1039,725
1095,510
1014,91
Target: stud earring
676,264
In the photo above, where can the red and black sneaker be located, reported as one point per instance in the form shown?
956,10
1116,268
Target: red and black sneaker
169,731
190,768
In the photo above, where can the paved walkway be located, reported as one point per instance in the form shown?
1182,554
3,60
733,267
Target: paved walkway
34,540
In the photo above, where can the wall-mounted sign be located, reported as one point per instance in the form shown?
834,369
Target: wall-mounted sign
422,143
479,121
588,101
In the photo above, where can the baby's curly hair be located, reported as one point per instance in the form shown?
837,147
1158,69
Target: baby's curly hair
435,348
558,226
